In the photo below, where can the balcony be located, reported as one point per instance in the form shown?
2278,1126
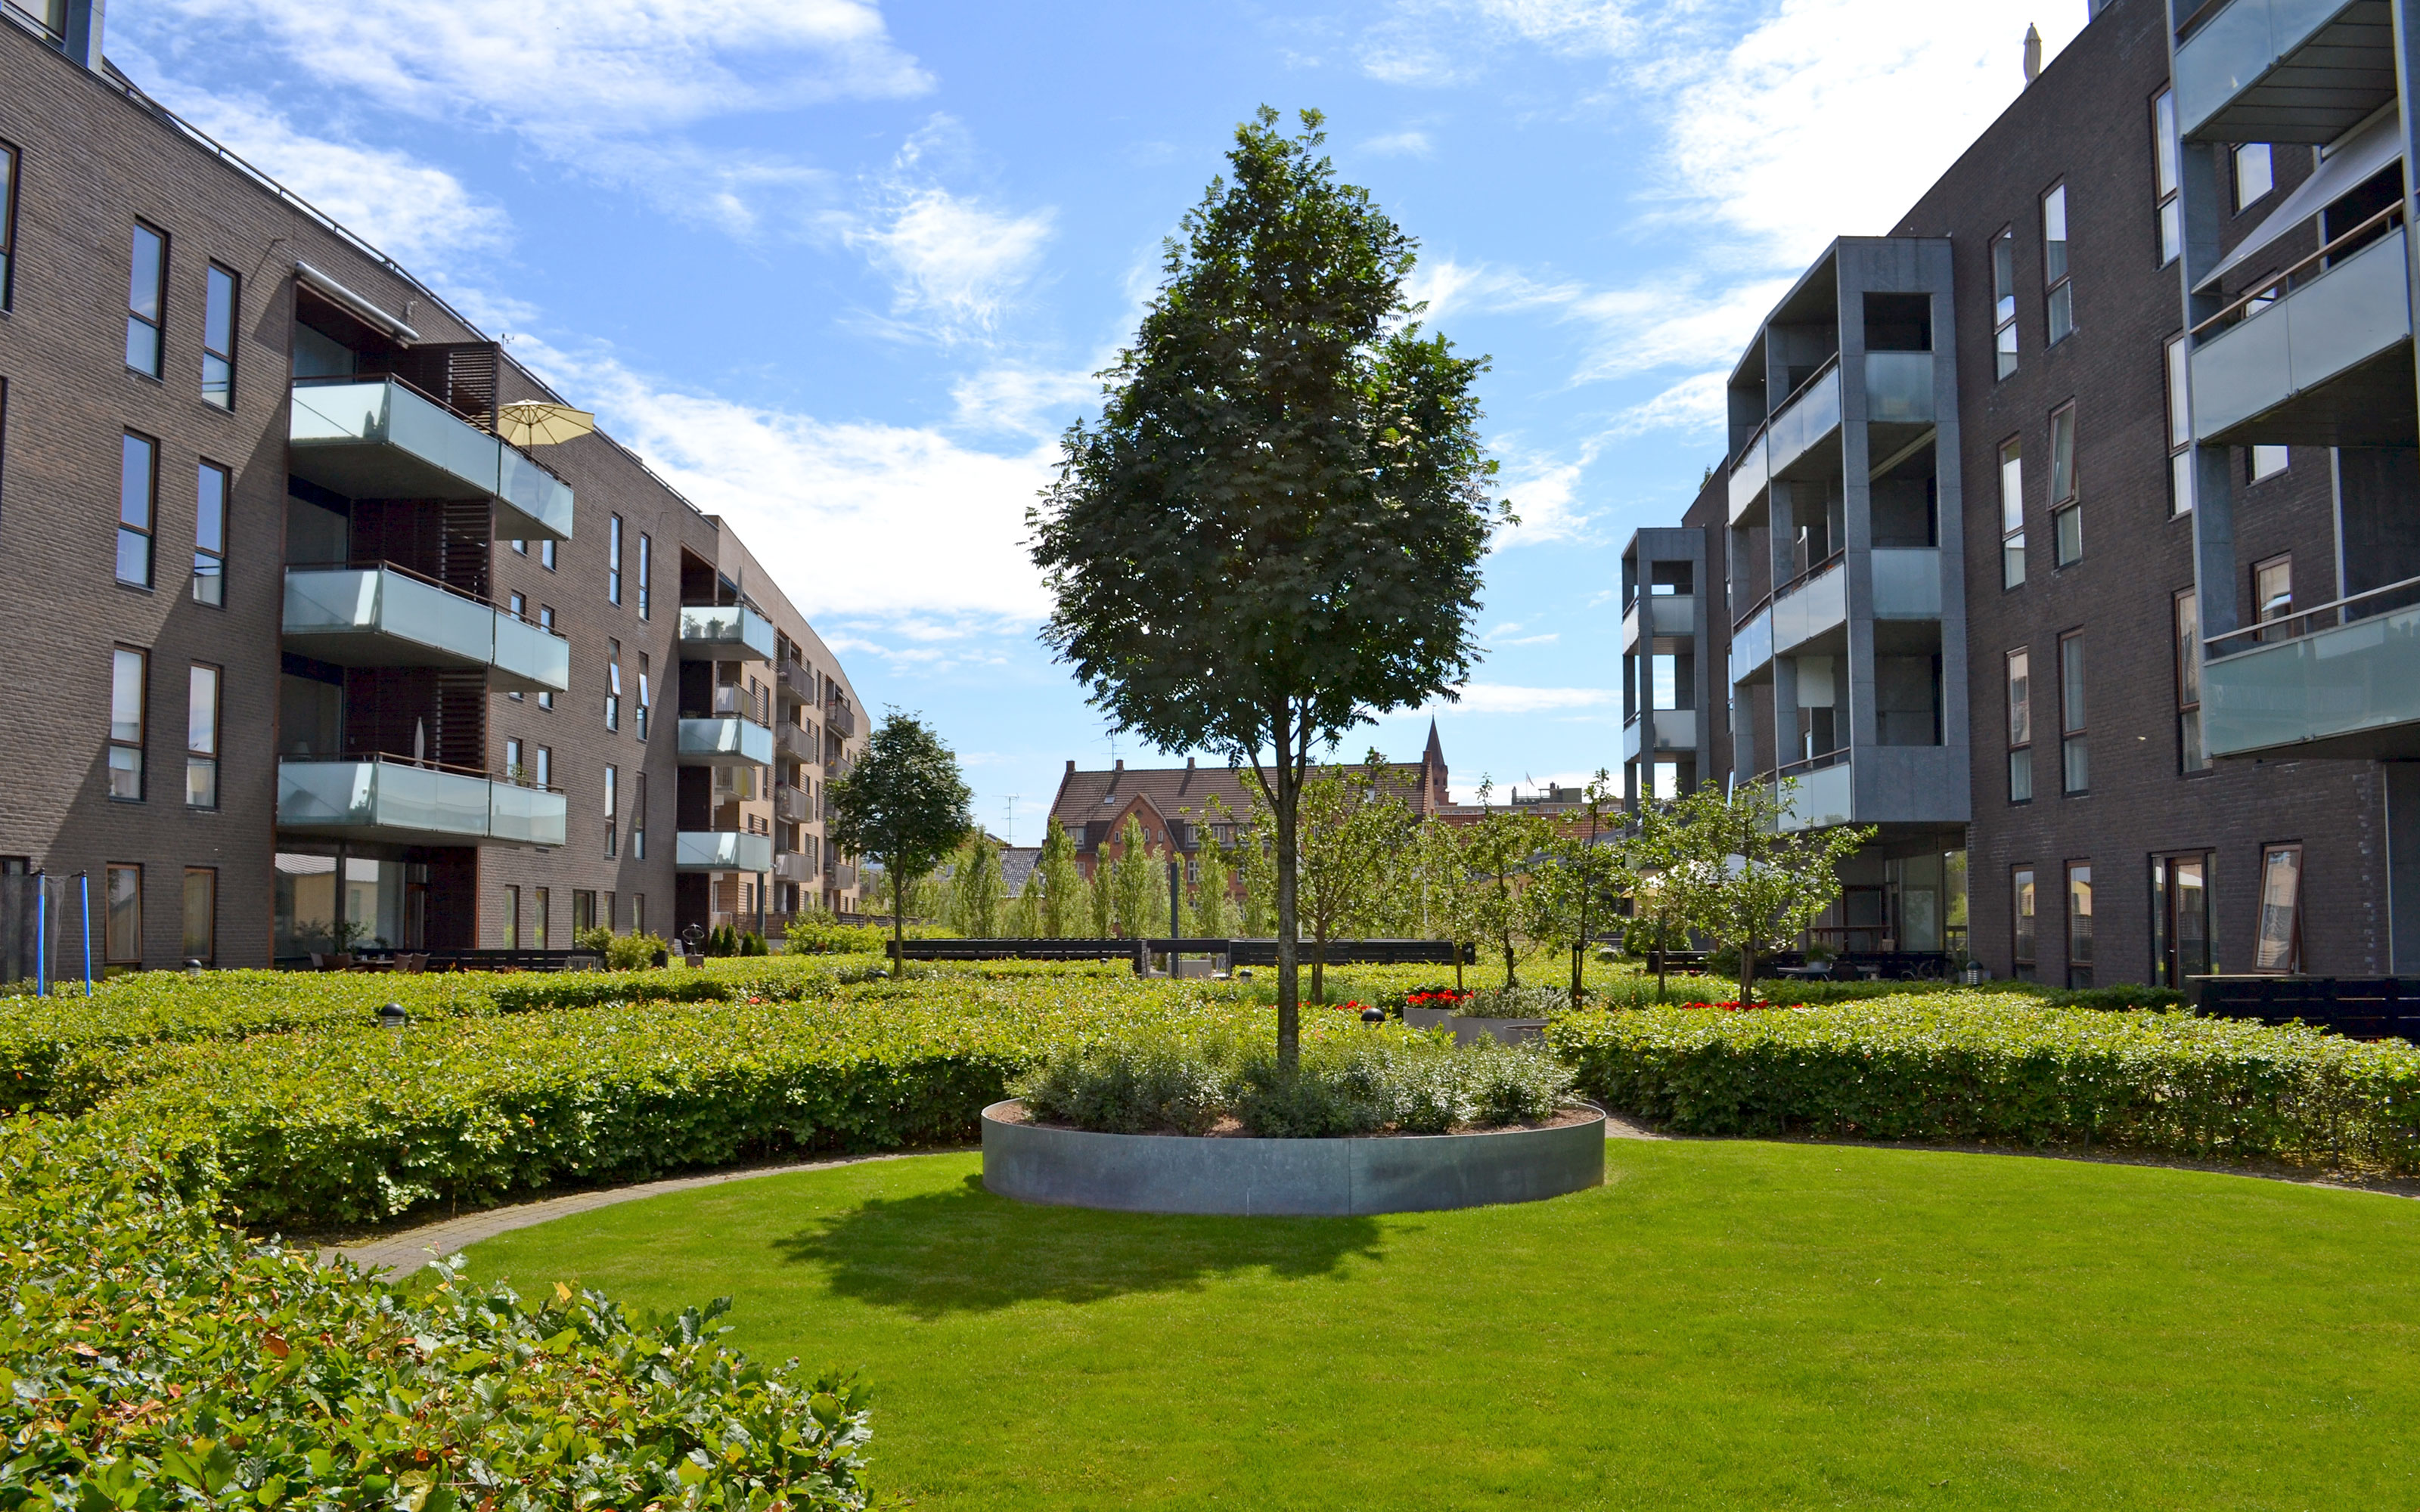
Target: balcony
729,632
1664,614
1675,730
1814,604
794,866
839,719
1752,645
1812,414
792,806
1748,478
1827,794
798,742
388,799
384,616
725,742
2327,362
1907,582
1898,388
2285,70
2303,687
381,439
844,877
794,683
721,850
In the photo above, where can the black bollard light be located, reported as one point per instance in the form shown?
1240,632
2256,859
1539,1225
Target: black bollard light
1373,1015
392,1016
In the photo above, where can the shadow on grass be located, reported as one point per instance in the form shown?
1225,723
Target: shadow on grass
965,1250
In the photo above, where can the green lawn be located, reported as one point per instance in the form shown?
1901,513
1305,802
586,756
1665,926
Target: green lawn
1722,1325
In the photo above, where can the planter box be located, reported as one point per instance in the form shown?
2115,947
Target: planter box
1472,1030
1323,1178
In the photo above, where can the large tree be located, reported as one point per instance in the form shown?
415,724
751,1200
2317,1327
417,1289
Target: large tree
905,804
1741,876
1274,529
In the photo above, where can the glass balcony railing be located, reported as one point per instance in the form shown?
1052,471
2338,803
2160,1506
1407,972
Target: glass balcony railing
385,798
721,850
379,439
1819,604
1825,796
1898,388
2347,690
731,742
1814,414
1907,583
2292,350
1752,646
2283,71
1749,476
729,632
381,617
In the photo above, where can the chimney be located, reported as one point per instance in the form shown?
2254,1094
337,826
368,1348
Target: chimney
1188,764
1071,766
2033,53
1119,765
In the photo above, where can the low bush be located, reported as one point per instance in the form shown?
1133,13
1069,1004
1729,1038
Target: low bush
1961,1065
1514,1003
636,951
1348,1082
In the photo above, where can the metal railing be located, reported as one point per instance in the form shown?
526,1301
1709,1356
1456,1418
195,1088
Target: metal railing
2300,623
1810,764
2277,285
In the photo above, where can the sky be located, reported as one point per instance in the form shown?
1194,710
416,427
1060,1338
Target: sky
843,271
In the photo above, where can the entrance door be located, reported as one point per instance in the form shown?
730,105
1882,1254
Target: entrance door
2180,918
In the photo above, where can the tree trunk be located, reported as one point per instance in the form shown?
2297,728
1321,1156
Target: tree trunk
1318,964
1747,974
899,889
1663,955
1289,952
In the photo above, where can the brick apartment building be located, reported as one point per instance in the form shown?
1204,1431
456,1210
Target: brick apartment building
303,640
2069,533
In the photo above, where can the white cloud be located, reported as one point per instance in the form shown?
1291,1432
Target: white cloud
1027,401
1509,634
1696,404
1448,42
954,264
1502,698
1400,144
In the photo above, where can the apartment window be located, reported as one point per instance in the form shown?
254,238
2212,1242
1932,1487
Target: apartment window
2060,291
218,337
644,545
2272,591
612,685
2180,918
2079,924
542,766
546,621
128,674
2265,461
541,920
8,223
519,604
2013,514
2066,508
606,914
211,483
583,913
2278,946
613,809
2021,727
2180,456
614,559
122,914
2021,930
146,295
513,772
2255,174
512,919
2166,176
638,913
2189,756
646,699
202,737
639,831
2074,757
202,914
546,555
2004,302
138,499
522,546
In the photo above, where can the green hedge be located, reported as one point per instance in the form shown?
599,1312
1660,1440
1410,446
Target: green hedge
150,1358
1972,1066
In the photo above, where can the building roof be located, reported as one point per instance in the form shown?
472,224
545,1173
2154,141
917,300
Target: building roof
1185,793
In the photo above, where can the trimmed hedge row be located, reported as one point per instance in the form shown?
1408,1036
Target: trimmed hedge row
1970,1066
150,1358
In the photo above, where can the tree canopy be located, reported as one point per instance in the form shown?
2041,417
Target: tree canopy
905,803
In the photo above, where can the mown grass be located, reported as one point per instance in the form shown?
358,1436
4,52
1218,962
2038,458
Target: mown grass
1729,1324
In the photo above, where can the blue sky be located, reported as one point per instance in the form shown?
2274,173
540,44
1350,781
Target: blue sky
841,271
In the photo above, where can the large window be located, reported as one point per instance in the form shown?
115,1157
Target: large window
542,766
643,567
2066,502
219,307
211,484
8,223
2180,918
2079,923
2180,455
644,695
514,770
138,501
146,298
583,912
546,554
2265,461
518,606
2074,755
614,559
2255,174
612,685
613,810
122,914
2166,177
639,829
2021,727
512,919
546,621
2021,921
202,737
202,914
2059,292
2279,945
2013,514
2190,755
2004,302
541,925
129,674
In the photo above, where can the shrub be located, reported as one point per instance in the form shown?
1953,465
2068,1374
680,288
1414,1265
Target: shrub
1514,1003
634,953
597,939
1972,1066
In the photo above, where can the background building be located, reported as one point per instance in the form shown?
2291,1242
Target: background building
305,646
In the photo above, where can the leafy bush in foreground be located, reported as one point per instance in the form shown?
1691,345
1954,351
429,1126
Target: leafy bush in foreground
1970,1066
1350,1082
150,1359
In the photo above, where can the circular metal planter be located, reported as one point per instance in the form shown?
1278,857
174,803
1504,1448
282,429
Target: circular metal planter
1324,1178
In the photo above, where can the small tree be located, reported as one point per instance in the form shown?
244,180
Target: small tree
1066,897
1023,918
1441,875
1214,909
1582,882
1139,885
1349,832
1258,853
1498,854
1274,532
975,889
1741,878
905,804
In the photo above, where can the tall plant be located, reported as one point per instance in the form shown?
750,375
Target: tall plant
1273,531
1214,907
1497,855
1585,876
975,889
1066,897
1741,878
1350,830
905,804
